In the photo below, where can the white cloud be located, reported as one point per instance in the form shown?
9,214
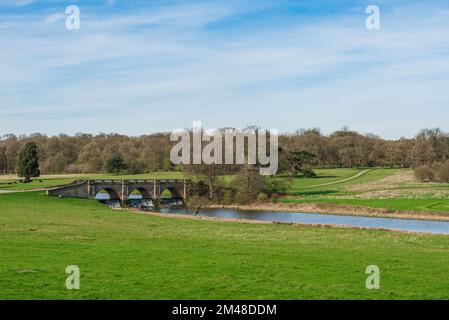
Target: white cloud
54,18
160,69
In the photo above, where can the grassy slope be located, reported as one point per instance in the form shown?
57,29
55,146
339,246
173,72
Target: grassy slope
308,185
327,194
134,256
323,176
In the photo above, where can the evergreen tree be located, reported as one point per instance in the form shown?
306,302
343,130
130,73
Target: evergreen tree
115,165
29,162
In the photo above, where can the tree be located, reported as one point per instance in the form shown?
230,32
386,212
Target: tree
12,153
343,148
3,160
209,173
167,165
115,165
90,156
300,162
29,162
248,184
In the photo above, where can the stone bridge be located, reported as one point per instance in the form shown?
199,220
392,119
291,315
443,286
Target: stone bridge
121,189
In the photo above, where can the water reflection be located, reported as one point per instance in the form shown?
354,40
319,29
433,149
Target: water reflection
439,227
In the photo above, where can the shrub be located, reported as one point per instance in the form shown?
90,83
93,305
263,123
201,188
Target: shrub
262,197
443,172
167,165
274,185
196,202
309,173
227,197
242,197
425,174
248,184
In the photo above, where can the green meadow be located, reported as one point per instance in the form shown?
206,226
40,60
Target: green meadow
125,255
332,180
385,188
391,189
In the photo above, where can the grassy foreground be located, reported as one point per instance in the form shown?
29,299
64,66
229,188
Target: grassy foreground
125,255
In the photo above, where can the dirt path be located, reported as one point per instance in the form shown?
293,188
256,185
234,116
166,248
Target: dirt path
339,181
21,191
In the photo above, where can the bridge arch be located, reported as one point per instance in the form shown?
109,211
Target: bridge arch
121,189
142,191
170,192
113,194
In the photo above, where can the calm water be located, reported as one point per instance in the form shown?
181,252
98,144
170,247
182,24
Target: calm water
439,227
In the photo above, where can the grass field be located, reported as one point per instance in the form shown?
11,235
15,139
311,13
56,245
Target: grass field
392,189
136,256
329,179
10,183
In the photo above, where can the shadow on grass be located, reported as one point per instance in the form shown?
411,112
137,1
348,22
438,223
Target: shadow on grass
313,193
306,177
318,177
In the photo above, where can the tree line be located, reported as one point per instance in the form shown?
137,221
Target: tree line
299,151
85,153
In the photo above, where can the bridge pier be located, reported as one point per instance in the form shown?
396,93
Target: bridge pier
121,189
155,189
124,195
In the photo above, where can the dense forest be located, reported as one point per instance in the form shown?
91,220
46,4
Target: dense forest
85,153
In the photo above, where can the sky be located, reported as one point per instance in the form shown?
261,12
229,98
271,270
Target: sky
138,67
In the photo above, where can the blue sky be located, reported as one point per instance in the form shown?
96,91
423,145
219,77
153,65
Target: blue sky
138,67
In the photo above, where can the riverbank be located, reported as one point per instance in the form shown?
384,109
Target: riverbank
336,209
265,222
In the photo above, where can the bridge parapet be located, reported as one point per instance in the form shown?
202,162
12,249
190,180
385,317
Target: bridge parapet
121,189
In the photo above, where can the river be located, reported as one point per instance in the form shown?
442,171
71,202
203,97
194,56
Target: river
412,225
436,227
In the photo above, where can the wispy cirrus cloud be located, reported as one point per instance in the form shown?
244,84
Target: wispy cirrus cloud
55,17
226,63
